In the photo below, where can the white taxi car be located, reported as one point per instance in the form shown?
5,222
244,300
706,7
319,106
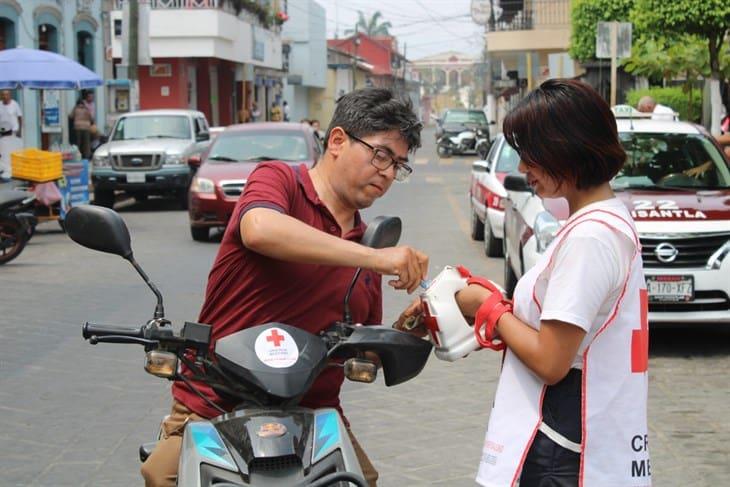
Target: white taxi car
676,184
487,195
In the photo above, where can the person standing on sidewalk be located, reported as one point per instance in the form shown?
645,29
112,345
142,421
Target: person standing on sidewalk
291,246
83,120
11,123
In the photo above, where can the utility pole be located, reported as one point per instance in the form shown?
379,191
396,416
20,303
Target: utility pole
614,50
133,62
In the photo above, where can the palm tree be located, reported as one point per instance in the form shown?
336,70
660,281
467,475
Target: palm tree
371,27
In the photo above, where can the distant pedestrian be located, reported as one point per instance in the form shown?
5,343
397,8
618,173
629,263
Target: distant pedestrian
315,125
83,120
286,111
10,112
275,113
89,102
647,104
10,127
255,112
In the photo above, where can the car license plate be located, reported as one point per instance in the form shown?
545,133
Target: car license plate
135,177
670,288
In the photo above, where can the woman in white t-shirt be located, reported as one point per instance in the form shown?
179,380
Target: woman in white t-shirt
570,407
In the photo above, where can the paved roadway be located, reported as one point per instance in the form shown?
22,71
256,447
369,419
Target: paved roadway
74,414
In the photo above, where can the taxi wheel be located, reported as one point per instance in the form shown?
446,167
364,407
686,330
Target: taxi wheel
200,234
477,227
492,244
104,198
510,279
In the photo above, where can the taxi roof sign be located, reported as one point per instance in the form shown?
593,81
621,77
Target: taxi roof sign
627,111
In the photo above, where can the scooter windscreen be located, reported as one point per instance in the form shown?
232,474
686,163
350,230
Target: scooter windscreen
278,359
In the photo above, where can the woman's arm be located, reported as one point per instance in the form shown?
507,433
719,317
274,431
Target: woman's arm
549,352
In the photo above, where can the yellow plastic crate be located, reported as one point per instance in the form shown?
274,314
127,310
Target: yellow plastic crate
36,165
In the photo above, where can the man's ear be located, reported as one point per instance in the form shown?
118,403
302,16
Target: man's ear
336,141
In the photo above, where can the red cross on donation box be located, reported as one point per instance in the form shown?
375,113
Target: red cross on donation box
640,338
275,338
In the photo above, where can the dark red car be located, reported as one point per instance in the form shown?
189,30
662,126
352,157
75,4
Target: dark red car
230,158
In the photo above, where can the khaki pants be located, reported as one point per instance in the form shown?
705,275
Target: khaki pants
160,469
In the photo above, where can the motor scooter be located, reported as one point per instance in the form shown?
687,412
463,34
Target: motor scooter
17,222
267,439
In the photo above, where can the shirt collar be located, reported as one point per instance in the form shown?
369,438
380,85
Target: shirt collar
305,180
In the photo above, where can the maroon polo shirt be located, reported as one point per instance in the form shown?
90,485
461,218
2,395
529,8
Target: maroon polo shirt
247,289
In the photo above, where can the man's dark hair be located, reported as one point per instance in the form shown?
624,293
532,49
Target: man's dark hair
370,110
567,129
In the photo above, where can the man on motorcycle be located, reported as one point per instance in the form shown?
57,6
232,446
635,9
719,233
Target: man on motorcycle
291,246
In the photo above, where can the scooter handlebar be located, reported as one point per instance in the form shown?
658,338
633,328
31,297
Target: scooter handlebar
92,329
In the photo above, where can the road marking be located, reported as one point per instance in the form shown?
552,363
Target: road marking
420,161
456,210
433,179
446,162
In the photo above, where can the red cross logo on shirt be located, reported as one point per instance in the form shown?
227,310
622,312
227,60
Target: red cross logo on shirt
275,338
640,338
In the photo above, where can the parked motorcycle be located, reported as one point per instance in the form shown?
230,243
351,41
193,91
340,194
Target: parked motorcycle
267,439
483,144
17,222
462,142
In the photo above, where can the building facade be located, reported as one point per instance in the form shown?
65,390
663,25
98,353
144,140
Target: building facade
305,55
216,56
526,43
390,68
344,73
447,81
72,28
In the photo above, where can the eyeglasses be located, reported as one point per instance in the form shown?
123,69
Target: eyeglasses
383,160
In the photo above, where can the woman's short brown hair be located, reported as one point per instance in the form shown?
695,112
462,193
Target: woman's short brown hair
567,129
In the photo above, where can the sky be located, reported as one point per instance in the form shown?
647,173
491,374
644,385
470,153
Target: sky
423,27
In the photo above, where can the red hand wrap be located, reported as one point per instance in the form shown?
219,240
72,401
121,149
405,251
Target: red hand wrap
488,313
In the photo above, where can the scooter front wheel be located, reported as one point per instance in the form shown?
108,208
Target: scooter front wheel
13,238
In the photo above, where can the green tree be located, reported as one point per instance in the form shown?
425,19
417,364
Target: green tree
685,57
585,15
709,20
372,26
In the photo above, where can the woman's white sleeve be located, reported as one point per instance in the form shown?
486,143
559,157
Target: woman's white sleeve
584,274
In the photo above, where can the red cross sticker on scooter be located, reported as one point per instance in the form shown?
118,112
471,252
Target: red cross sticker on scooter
275,338
640,338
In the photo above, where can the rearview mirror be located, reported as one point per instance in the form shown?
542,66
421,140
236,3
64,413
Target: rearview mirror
383,231
516,182
480,166
201,136
99,228
194,161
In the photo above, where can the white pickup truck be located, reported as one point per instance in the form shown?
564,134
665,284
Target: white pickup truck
147,154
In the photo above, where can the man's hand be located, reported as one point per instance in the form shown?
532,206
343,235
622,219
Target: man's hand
409,265
412,313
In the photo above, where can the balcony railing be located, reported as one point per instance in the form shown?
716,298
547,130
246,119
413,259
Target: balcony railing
178,4
255,13
529,14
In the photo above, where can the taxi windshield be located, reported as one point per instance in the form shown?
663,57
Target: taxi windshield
260,146
671,160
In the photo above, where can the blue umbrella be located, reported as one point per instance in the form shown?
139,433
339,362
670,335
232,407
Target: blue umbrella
45,70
